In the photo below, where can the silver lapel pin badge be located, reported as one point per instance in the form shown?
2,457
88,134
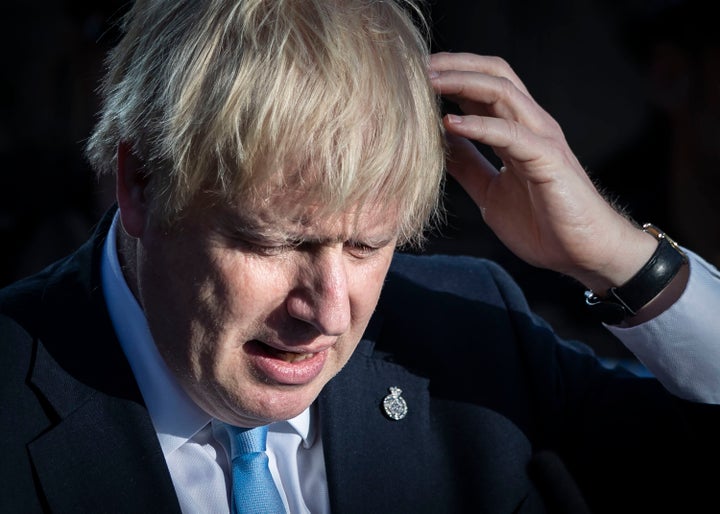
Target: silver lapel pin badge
394,405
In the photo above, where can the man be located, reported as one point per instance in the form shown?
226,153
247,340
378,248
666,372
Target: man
270,157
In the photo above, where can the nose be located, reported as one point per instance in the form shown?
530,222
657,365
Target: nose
321,297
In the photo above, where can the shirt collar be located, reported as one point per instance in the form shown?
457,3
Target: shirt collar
175,416
303,424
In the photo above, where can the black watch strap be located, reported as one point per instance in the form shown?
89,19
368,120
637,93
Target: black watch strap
626,300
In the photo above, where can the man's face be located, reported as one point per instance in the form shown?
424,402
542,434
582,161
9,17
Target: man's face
253,312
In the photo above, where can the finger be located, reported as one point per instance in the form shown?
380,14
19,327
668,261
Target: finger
489,65
512,142
481,94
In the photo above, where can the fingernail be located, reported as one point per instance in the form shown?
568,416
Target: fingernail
433,74
454,118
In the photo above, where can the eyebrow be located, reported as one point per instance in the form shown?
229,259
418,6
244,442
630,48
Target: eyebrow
251,228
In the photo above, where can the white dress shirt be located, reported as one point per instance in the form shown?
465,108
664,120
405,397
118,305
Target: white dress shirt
196,449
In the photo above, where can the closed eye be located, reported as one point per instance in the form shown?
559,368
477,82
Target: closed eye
359,249
263,248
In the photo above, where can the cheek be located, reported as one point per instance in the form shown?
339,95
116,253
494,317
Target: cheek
365,289
238,298
242,286
367,286
183,296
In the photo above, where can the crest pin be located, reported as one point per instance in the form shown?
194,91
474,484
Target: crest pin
394,405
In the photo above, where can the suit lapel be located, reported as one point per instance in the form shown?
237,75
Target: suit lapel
371,459
101,454
101,451
446,455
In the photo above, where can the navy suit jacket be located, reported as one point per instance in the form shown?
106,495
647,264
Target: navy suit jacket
502,415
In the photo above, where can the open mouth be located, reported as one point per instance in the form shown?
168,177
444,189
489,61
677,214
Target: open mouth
290,356
284,367
261,349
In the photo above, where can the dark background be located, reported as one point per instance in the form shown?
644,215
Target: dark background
635,86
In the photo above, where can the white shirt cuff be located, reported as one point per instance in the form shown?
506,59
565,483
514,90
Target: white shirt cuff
681,346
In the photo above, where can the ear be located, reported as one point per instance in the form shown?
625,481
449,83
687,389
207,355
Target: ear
131,187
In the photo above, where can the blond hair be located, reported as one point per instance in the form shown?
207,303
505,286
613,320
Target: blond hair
230,97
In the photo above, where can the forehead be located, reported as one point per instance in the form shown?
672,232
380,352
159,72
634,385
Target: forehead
284,218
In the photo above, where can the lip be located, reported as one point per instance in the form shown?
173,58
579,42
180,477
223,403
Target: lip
272,364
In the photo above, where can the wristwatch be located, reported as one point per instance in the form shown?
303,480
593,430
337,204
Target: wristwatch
626,300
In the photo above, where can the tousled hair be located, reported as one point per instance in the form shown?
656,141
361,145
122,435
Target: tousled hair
240,98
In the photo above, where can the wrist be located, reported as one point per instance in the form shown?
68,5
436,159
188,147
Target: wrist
619,303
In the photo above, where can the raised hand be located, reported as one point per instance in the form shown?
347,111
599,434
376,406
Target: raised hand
541,203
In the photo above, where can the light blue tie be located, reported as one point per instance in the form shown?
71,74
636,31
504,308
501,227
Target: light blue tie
254,490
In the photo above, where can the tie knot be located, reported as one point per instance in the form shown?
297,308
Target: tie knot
254,490
247,440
